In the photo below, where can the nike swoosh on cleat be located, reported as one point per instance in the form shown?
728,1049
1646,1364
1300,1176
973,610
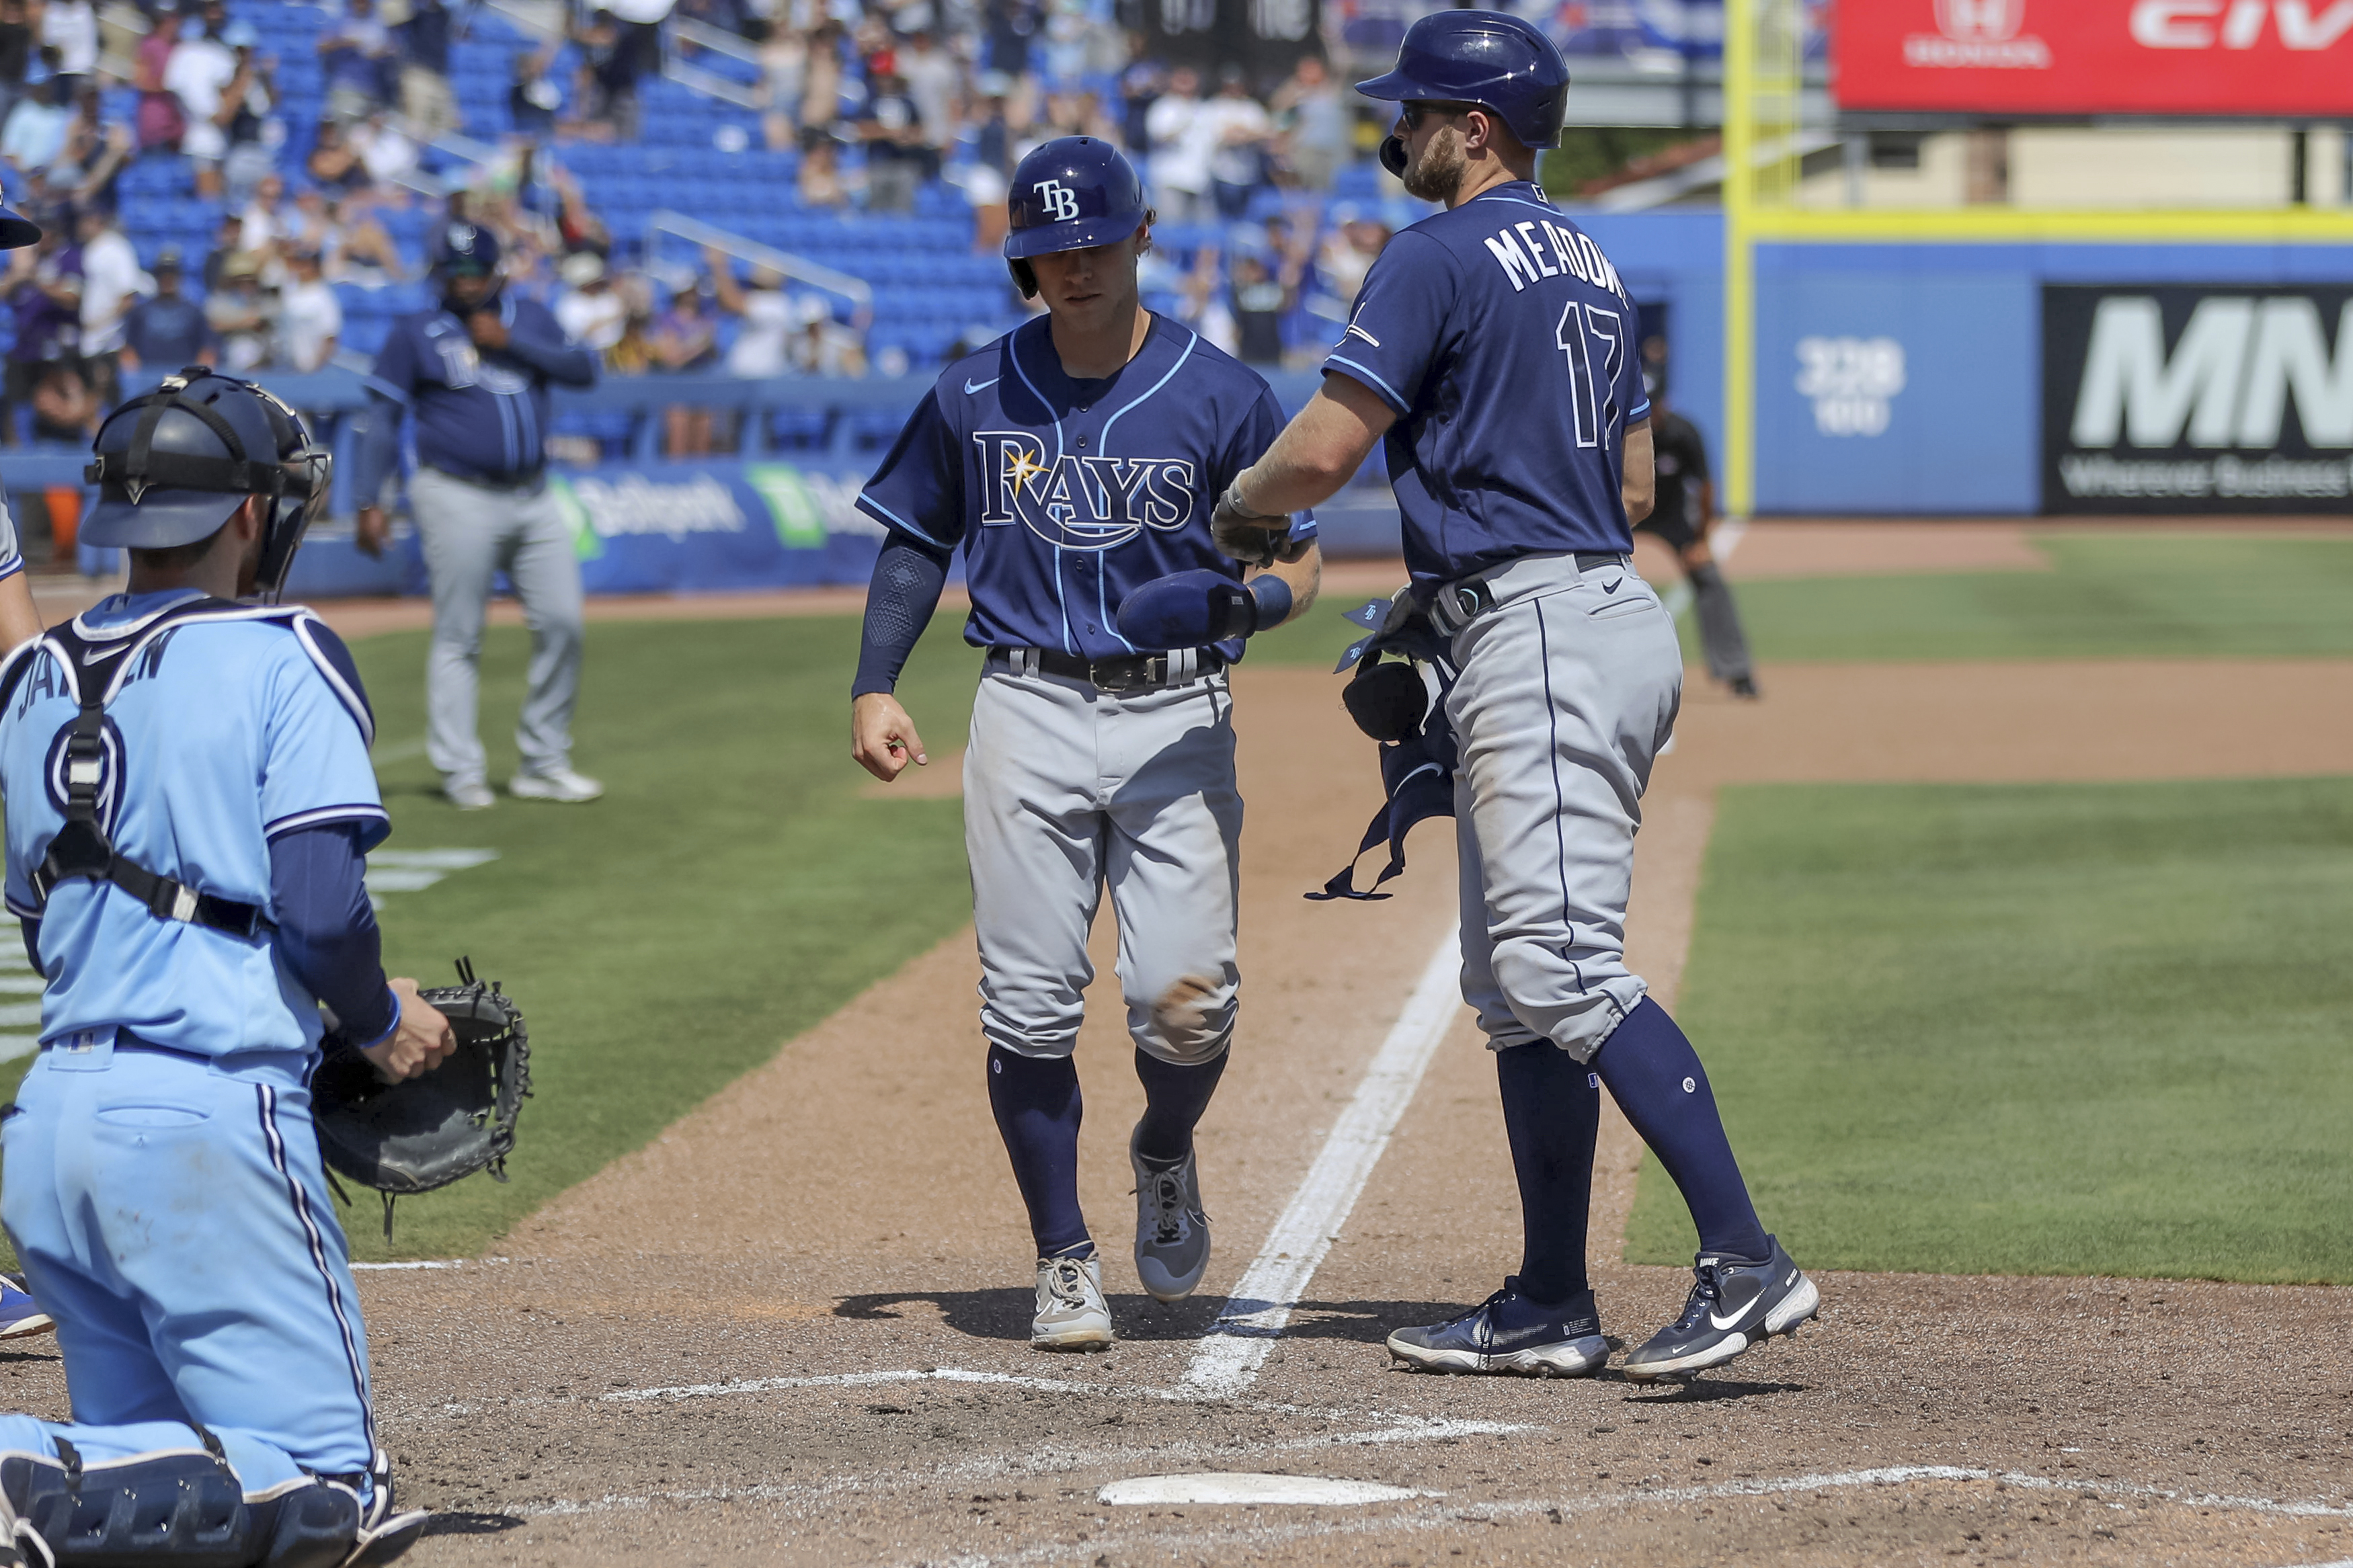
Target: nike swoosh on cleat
1726,1323
972,386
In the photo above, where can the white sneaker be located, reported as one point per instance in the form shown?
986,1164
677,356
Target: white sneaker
555,783
1072,1313
469,794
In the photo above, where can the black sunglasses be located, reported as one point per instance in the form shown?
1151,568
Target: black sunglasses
1413,114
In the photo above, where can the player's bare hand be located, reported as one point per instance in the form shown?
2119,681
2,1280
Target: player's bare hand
418,1043
1246,536
883,738
487,331
371,530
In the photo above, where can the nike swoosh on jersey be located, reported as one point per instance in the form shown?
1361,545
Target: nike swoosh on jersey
972,386
1356,332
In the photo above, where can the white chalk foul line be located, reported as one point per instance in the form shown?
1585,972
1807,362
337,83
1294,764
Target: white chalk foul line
1238,1343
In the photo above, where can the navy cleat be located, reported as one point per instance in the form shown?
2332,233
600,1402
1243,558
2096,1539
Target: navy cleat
1735,1306
19,1317
1509,1333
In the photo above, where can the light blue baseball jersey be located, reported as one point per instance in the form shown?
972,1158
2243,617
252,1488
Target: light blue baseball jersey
12,558
223,732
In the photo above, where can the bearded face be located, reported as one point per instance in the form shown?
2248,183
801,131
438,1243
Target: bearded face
1438,173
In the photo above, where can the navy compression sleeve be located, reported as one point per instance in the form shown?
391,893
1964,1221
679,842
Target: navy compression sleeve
326,932
908,577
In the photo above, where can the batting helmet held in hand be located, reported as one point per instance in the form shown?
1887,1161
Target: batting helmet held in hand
176,465
1486,58
1071,192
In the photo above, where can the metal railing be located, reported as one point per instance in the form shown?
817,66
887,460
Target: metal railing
799,268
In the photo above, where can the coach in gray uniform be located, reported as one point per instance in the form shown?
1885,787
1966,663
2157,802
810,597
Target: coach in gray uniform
475,370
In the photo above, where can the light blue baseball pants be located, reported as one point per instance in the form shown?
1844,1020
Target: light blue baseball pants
172,1216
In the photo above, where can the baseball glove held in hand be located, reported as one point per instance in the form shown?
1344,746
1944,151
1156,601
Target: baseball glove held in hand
429,1131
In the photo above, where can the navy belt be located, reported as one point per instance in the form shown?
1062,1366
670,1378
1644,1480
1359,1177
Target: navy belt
505,484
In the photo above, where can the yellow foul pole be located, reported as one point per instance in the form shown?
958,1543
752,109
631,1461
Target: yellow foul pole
1739,272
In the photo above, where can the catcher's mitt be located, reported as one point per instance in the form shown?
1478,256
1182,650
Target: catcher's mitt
427,1131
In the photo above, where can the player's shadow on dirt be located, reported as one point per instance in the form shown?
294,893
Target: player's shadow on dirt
1703,1390
463,1522
1005,1315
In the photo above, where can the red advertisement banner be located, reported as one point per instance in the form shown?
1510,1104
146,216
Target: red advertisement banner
2275,58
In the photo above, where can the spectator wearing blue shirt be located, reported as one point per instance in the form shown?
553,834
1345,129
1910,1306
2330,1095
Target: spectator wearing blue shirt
167,331
475,371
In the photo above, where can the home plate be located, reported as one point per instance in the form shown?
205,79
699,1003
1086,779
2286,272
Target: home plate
1244,1488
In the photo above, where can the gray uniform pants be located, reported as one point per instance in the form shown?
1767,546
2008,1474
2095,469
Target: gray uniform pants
471,533
1068,791
1569,686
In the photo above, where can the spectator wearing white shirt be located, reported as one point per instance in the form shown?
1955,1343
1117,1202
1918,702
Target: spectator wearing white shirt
198,75
112,281
1237,128
309,317
763,346
71,27
590,311
1180,157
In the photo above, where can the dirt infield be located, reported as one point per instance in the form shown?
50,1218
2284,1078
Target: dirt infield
792,1329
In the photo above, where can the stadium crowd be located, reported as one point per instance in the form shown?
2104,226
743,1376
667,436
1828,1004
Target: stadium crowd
321,158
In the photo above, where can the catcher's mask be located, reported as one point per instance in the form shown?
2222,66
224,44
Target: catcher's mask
174,466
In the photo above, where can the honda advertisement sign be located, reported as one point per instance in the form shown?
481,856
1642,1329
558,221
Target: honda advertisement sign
2224,398
2267,57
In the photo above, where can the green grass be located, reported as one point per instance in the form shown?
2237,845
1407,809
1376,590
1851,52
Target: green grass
2111,594
2066,1030
730,890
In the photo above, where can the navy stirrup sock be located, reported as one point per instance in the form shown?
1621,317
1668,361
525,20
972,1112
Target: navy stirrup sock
1551,1111
1651,1071
1036,1100
1174,1099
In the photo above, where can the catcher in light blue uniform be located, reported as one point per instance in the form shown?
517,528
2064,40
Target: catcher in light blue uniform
189,801
1074,462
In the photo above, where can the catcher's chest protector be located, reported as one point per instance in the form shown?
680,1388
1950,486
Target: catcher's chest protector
91,667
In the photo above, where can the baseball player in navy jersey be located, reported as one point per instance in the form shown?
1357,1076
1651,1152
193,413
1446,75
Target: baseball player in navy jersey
1493,349
189,803
1075,461
475,370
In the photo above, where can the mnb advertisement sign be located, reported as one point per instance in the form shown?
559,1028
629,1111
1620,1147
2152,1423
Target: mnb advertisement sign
2197,399
2095,56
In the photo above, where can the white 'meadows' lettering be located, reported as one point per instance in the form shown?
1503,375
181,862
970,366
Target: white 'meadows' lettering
1517,265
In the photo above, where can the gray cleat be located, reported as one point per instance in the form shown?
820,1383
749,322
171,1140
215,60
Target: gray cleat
1733,1306
1171,1234
1071,1312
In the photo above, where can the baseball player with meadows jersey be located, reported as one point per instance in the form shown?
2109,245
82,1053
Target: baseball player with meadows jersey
1493,348
1076,461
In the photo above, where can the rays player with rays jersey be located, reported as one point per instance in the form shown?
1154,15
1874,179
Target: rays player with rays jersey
1076,461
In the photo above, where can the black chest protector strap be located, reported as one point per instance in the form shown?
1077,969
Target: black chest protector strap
82,848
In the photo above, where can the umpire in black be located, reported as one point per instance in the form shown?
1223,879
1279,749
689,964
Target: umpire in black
1683,519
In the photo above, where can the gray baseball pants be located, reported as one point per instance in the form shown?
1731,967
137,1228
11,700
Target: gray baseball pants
471,533
1069,791
1569,686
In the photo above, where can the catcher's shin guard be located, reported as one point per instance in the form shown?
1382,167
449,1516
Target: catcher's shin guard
185,1508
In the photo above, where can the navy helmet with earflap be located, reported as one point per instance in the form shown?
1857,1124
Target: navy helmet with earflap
173,465
1489,58
1071,192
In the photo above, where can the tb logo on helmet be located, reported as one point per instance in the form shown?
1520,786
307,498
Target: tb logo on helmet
1062,202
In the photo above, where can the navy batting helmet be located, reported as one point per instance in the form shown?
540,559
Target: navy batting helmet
176,465
18,232
1071,192
1486,58
466,247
